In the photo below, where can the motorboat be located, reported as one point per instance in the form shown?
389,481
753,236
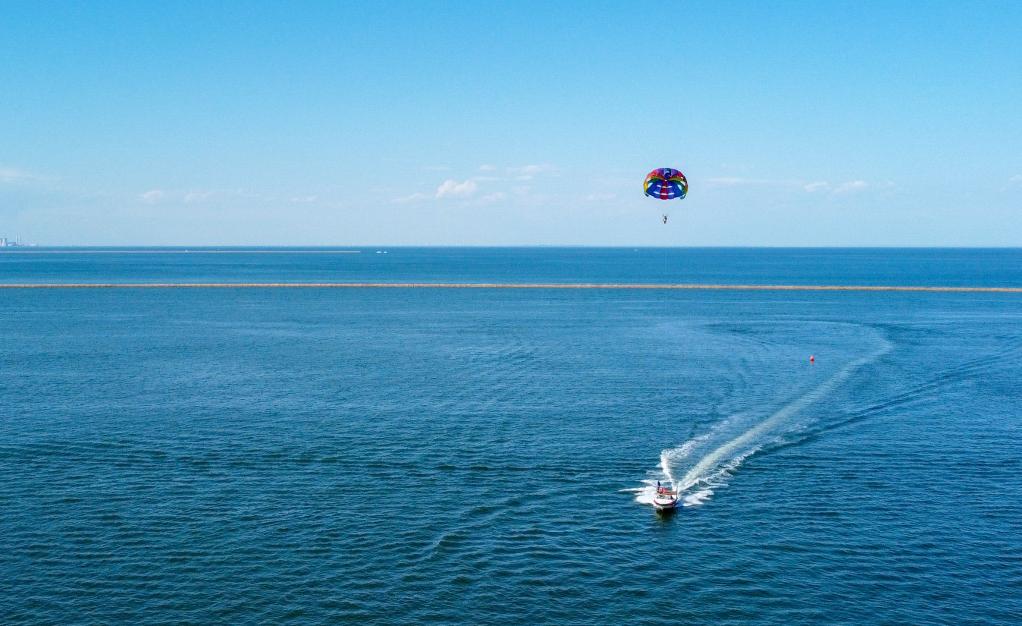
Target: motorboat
665,499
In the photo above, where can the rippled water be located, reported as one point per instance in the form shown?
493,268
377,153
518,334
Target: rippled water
484,456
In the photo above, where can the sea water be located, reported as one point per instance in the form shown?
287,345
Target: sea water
487,455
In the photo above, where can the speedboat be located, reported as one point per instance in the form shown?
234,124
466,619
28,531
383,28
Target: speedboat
665,499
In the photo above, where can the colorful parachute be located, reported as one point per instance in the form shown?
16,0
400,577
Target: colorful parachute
665,183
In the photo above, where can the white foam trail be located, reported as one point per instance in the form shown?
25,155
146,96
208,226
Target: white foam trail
644,494
665,467
717,466
697,498
677,454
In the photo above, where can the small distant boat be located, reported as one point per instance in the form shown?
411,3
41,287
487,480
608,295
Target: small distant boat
665,499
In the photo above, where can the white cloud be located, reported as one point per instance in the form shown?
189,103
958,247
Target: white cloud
415,197
1015,180
490,185
851,186
528,172
303,199
197,196
814,186
846,187
496,196
736,181
15,175
152,196
451,188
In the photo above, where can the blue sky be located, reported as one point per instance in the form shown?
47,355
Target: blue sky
517,123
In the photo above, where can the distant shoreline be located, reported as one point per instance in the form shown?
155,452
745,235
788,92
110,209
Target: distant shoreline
71,250
365,249
609,286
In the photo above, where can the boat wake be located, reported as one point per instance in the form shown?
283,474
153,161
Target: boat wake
707,462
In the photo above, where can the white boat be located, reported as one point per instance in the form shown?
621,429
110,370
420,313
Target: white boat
665,499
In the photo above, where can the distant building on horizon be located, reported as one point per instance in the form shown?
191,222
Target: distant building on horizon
11,243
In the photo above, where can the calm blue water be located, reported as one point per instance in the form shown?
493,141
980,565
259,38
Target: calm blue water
485,456
997,267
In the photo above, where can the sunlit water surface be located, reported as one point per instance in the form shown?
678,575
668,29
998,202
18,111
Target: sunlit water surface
488,456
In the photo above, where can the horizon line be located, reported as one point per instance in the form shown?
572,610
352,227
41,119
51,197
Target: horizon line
357,248
608,286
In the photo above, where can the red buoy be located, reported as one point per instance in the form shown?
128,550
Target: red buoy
812,359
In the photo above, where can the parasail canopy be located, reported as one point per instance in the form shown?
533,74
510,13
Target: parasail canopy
665,183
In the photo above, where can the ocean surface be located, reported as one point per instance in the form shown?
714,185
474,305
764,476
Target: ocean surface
466,456
949,267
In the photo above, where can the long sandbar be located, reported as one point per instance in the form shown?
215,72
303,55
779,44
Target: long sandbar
617,286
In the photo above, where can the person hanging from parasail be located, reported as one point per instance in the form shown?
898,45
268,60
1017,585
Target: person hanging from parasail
665,183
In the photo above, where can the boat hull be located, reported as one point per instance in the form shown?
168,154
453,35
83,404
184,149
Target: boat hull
663,504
